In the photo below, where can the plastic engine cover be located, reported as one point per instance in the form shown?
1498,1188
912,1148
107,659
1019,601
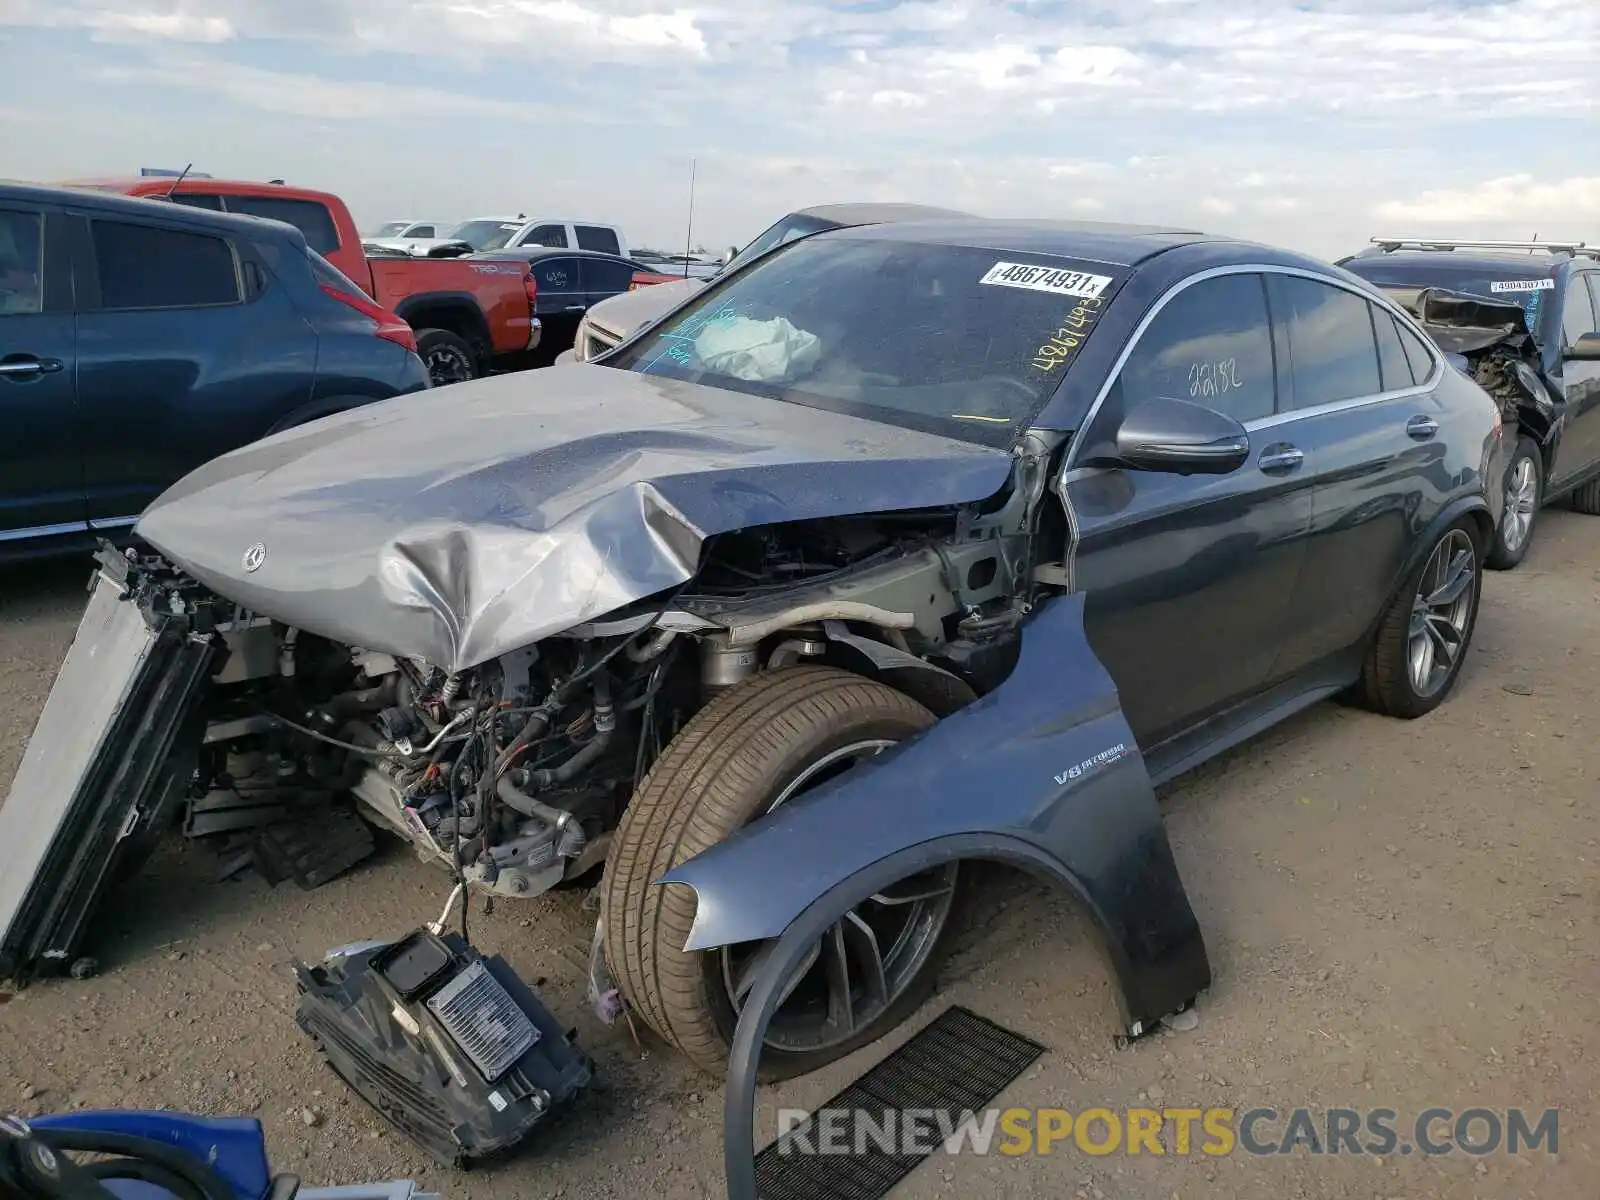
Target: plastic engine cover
450,1047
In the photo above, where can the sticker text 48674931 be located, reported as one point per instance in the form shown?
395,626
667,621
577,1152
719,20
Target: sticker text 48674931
1055,280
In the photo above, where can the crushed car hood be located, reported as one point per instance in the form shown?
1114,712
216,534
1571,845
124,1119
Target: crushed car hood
458,524
622,314
1462,323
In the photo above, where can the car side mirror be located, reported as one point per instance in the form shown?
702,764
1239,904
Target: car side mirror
729,255
1586,348
1182,438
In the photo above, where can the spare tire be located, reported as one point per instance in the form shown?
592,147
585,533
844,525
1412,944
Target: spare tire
752,748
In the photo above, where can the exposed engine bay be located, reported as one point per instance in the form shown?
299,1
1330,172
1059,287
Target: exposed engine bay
514,773
1499,349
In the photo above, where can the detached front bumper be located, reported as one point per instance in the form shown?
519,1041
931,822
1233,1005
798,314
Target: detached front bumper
111,754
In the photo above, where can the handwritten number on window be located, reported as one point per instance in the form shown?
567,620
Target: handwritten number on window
1214,378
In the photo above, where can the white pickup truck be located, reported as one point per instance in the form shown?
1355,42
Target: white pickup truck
507,233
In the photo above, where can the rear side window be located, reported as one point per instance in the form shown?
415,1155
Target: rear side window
1331,343
1212,345
593,237
1416,353
328,275
142,266
309,217
547,235
421,231
604,275
557,275
1577,312
21,263
1393,364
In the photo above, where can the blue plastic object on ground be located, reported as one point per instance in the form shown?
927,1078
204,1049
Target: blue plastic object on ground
234,1147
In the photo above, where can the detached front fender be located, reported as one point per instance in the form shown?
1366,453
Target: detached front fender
1043,773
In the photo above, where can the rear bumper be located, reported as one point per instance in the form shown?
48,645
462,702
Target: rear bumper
535,333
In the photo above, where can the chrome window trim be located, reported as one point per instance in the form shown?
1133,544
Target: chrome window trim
1277,418
43,531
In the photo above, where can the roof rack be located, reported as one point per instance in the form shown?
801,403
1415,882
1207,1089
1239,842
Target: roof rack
1387,245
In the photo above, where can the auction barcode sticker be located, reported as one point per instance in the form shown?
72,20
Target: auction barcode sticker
1522,285
1046,279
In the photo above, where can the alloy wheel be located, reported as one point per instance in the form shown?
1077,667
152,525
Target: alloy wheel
1522,501
1441,612
863,964
447,365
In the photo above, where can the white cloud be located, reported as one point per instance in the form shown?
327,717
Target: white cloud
1292,122
325,100
1507,198
171,22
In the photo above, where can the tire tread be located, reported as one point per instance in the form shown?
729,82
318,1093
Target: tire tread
708,782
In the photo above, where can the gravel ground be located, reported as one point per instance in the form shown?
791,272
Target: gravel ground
1398,914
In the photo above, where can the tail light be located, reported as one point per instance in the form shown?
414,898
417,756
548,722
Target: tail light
531,287
389,327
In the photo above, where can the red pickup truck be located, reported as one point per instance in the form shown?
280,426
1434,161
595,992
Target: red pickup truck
466,314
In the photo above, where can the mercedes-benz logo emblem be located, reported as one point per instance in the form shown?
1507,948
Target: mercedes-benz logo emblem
254,557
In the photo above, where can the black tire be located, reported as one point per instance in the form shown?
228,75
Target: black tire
1387,683
1586,499
725,768
1511,540
448,356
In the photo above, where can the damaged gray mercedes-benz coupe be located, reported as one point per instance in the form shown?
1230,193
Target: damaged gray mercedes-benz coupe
901,548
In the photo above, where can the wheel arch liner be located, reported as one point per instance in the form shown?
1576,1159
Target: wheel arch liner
1043,773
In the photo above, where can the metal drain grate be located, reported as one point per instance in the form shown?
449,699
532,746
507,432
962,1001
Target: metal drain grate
959,1063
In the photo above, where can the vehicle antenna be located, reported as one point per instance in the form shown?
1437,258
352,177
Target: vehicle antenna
182,175
688,239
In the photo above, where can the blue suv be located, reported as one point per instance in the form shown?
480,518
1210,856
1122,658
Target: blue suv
139,339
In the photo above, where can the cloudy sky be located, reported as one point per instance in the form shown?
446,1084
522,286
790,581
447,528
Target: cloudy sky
1314,123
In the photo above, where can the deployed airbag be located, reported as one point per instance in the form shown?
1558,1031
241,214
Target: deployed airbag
760,351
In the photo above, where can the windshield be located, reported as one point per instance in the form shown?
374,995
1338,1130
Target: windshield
392,229
787,230
484,235
1526,286
956,340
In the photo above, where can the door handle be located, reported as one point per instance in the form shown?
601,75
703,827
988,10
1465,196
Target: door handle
1422,428
23,368
577,307
1281,457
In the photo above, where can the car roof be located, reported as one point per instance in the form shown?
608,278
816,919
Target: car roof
529,253
876,214
149,185
542,220
1404,265
117,203
1098,241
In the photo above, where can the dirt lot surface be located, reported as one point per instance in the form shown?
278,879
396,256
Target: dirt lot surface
1399,915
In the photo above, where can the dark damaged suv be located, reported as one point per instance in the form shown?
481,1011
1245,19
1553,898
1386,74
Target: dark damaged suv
1525,317
900,547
